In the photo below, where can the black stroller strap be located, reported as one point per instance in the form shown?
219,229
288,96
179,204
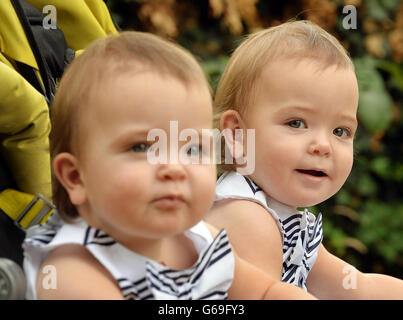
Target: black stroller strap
48,82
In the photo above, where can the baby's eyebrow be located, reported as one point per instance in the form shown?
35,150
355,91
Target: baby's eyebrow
345,117
351,119
131,134
289,108
138,133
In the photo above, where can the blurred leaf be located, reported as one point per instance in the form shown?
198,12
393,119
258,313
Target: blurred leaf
367,75
343,197
366,186
382,167
381,226
399,172
214,68
390,4
375,104
361,141
376,10
394,69
335,237
375,110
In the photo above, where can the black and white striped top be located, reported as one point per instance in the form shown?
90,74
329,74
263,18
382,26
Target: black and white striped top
301,231
139,277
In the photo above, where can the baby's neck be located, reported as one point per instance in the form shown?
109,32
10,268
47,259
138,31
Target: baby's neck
150,248
175,252
275,204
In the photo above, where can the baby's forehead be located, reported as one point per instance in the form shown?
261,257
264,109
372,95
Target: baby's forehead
303,80
292,69
147,95
316,64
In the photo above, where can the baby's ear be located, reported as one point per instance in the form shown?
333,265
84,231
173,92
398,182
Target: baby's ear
233,130
65,167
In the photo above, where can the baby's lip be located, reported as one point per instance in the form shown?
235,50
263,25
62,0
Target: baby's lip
170,196
314,172
170,200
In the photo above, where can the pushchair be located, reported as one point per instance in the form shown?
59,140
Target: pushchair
34,52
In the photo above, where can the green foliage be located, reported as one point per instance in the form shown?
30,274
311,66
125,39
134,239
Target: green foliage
381,9
214,68
380,228
375,104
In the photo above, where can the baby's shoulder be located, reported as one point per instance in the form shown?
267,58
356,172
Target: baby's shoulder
71,272
213,230
245,219
236,211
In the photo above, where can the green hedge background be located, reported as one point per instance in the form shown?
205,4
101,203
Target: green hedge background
363,223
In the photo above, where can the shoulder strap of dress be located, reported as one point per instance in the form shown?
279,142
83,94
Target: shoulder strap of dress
232,185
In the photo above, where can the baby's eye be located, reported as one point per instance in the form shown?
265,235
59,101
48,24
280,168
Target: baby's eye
194,150
299,124
342,132
140,147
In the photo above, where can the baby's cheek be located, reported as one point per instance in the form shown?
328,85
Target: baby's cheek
204,188
349,160
344,167
125,187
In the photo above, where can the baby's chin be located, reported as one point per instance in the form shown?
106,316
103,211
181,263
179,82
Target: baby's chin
309,201
301,200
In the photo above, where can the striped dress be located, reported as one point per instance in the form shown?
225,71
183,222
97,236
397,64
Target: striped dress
137,276
301,231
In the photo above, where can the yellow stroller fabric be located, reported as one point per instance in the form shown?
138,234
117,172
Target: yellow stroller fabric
24,114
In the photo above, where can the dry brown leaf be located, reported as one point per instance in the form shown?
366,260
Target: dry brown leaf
249,13
395,40
217,7
232,17
396,113
346,212
355,3
160,15
375,143
399,16
374,45
321,12
395,37
369,25
356,244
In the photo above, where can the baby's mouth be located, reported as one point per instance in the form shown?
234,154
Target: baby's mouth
315,173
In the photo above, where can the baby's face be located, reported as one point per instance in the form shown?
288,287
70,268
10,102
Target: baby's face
305,121
128,196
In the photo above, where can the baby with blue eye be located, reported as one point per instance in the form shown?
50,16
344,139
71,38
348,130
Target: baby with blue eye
294,87
132,207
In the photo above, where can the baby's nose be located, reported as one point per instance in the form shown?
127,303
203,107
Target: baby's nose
320,146
172,172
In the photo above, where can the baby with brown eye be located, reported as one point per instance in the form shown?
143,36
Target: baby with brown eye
295,86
